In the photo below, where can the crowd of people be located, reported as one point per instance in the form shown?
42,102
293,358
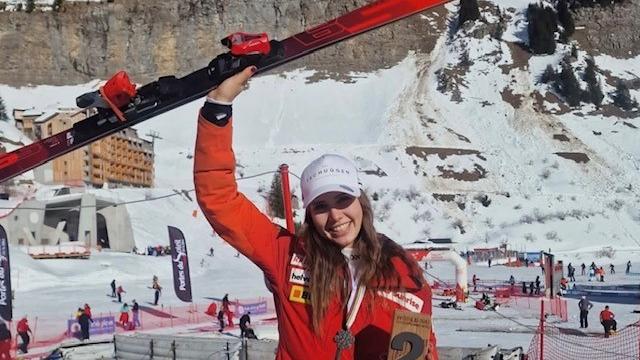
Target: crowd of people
158,250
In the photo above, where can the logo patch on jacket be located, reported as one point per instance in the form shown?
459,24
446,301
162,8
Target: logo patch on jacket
300,294
407,300
296,260
299,276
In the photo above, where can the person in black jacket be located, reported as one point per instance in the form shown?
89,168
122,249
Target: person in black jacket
584,305
113,288
221,320
244,320
135,310
83,320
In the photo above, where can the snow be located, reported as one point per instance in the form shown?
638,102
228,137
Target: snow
539,200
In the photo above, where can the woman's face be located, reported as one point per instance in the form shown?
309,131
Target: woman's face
337,216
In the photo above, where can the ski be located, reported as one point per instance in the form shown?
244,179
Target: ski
120,105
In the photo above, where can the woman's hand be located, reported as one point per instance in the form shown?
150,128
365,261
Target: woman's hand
230,88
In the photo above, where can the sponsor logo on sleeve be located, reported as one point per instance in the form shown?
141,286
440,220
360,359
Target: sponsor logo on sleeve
296,260
407,300
299,276
300,294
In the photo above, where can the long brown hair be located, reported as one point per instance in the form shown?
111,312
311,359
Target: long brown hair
325,263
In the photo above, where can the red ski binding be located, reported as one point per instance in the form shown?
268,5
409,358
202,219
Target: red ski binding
118,92
247,44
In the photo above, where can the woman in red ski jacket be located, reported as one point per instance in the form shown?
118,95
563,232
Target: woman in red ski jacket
337,283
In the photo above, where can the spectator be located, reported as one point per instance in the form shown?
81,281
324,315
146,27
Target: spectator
592,274
601,271
564,283
531,287
221,320
583,267
87,310
526,262
157,289
23,331
524,288
628,269
244,320
512,281
607,319
84,320
119,292
124,316
571,272
211,251
135,311
584,305
227,310
612,269
113,288
474,280
5,342
489,262
537,285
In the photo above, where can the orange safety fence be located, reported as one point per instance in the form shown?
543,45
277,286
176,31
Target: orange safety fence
559,343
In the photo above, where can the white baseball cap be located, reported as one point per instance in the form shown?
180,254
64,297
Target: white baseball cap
328,173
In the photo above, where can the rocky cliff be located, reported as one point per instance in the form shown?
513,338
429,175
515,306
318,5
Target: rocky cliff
612,30
85,41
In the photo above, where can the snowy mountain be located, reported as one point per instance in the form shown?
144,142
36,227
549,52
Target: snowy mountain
435,135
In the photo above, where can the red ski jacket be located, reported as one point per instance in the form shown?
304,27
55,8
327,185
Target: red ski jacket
279,254
606,315
22,326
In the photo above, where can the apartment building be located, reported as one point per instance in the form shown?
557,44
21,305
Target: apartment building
121,159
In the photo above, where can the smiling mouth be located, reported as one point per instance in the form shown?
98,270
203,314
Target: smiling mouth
339,228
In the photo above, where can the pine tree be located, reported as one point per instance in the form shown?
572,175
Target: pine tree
468,11
541,28
590,71
275,197
567,85
3,111
595,93
594,89
566,19
622,97
549,75
30,6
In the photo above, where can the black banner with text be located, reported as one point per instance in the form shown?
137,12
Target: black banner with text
6,307
180,262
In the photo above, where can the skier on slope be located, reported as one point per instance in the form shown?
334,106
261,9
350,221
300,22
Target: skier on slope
339,262
113,288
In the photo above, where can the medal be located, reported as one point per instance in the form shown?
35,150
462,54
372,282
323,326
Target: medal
344,339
